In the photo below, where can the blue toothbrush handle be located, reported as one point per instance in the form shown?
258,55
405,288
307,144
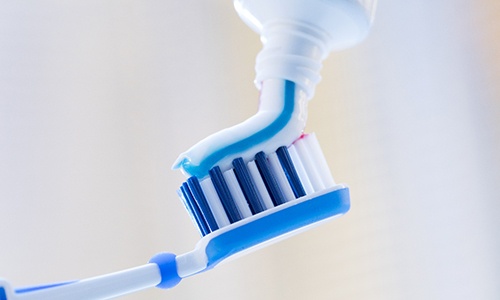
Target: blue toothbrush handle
161,271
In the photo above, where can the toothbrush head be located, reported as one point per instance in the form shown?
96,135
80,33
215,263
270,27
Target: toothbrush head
259,202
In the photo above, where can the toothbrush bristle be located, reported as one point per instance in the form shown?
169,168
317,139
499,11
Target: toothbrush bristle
290,172
272,186
248,186
224,194
225,197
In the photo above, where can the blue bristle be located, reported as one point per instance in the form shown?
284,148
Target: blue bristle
201,201
193,208
225,196
248,186
269,180
182,194
290,172
197,204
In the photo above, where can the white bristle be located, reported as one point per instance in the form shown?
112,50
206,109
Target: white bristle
237,193
319,159
278,172
309,165
214,202
301,172
191,216
261,186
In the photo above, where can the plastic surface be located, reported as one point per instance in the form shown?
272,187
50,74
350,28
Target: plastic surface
299,34
41,287
3,294
168,270
278,223
100,287
346,22
260,229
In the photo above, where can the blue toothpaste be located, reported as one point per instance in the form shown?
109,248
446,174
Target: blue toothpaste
280,120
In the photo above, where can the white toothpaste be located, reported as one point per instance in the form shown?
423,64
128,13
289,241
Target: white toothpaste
297,36
280,120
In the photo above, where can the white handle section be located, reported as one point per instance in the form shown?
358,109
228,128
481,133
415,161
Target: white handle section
100,287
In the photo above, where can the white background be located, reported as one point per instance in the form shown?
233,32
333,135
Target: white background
97,99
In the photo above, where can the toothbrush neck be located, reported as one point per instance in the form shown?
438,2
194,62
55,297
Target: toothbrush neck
292,51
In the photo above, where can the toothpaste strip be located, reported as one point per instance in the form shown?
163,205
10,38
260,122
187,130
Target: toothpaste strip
279,121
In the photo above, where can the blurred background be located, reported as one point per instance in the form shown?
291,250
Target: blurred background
97,99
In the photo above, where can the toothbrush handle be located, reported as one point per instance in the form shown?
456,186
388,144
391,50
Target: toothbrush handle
161,271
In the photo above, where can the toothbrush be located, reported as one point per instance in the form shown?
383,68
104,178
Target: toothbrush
297,171
259,181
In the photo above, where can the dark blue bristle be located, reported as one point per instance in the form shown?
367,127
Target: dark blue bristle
201,201
197,204
269,180
290,172
194,210
248,186
225,196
